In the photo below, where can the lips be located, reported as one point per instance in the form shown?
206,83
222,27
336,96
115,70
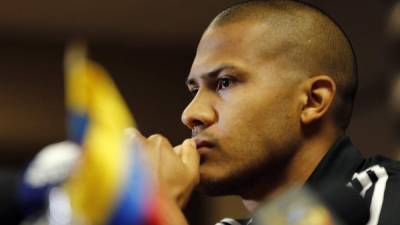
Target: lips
203,145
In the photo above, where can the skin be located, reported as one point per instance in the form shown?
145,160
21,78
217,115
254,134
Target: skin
255,121
175,175
239,109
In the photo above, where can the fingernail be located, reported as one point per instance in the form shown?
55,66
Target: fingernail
192,142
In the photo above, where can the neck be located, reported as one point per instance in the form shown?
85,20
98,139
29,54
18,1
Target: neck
295,173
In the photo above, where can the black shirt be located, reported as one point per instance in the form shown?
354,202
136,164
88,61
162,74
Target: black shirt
377,179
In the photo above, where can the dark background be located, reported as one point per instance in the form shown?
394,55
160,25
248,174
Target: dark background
148,48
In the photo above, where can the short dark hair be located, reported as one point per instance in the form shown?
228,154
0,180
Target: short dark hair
313,41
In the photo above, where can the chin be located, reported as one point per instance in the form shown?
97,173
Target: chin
214,188
223,185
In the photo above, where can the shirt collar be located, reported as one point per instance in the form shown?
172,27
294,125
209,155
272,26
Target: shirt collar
338,165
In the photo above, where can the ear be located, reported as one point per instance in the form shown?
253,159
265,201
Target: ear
319,92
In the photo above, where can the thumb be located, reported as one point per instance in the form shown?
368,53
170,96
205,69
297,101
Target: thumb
178,150
190,156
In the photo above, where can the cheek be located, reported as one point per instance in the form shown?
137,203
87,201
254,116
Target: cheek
257,124
254,112
242,129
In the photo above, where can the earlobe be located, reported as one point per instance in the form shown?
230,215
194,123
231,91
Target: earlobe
319,91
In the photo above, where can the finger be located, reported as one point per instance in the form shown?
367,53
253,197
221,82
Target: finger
159,141
178,150
134,137
154,137
190,156
133,133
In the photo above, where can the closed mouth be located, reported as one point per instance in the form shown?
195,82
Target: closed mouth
200,143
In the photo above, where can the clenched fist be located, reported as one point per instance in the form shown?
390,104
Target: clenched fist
176,169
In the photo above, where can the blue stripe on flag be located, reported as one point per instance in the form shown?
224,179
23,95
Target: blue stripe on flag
133,205
77,125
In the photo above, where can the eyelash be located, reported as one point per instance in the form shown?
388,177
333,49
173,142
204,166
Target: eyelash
217,84
220,81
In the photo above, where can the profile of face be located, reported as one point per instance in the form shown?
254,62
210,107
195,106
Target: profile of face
245,113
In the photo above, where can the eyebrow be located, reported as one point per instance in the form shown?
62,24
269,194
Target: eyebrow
209,75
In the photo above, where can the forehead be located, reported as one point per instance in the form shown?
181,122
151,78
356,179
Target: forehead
231,35
249,45
235,44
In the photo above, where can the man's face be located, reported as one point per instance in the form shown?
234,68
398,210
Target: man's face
245,112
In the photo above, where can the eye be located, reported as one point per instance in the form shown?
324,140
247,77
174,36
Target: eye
223,83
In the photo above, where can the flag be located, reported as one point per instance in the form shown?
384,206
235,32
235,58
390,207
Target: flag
111,184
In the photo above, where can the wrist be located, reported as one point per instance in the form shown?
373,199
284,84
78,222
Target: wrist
171,212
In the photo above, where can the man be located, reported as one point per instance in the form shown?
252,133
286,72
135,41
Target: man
273,85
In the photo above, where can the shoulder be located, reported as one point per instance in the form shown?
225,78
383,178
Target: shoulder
376,170
390,165
377,174
378,181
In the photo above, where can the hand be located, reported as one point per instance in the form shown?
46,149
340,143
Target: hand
176,169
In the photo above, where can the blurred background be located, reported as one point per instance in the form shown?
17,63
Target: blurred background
148,47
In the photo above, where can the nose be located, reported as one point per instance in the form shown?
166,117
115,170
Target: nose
200,113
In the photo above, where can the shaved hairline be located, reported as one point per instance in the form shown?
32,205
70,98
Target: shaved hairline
313,41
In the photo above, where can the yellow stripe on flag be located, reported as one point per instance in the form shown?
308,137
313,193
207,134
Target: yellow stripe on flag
94,186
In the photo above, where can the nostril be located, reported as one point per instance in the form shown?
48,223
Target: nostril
196,123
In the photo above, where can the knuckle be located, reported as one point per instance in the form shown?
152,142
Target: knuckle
158,139
154,137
